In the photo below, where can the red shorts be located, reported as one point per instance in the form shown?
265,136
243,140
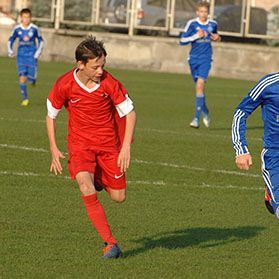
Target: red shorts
103,164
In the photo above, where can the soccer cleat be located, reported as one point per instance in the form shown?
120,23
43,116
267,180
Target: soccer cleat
267,201
195,123
206,121
98,186
25,102
111,251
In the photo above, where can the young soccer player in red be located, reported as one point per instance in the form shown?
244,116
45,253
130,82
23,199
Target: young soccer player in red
101,123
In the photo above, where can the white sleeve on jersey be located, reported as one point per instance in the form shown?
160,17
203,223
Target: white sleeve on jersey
125,107
51,111
39,50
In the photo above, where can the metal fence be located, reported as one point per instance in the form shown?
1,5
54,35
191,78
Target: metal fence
240,18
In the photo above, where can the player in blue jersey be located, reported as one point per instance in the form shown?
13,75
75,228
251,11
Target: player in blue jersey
199,32
30,47
265,94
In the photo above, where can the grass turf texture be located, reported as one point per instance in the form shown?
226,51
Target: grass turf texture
189,212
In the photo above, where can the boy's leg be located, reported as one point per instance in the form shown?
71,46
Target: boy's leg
32,73
203,74
111,177
270,171
200,98
22,73
23,90
93,207
194,68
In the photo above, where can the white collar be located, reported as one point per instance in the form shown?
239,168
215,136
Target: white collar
26,28
201,23
89,90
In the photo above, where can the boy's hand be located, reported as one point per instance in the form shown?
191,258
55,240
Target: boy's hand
244,162
55,163
215,37
10,53
124,158
201,33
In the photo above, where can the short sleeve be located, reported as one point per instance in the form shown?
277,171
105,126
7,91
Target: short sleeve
121,100
55,101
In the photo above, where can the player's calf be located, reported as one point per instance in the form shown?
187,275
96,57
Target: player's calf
267,201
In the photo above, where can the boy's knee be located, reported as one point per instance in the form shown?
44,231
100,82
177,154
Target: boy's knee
86,189
118,197
85,185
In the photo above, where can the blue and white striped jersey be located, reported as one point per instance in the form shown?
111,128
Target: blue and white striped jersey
265,94
201,47
27,46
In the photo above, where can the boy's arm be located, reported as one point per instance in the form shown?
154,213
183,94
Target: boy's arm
124,157
215,37
11,42
40,44
55,102
190,35
243,158
55,152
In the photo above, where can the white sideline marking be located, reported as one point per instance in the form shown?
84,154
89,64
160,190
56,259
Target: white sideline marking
169,165
22,120
142,182
194,168
12,146
142,129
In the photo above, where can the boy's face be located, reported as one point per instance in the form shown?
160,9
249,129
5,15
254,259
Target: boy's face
25,19
94,68
202,13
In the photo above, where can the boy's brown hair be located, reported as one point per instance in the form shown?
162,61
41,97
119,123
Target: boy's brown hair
203,4
25,11
90,48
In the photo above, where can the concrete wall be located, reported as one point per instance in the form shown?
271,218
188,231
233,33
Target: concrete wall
160,54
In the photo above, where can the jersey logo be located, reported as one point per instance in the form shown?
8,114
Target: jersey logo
118,176
105,95
30,33
74,101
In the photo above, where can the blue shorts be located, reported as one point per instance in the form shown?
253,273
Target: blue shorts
200,69
270,171
29,71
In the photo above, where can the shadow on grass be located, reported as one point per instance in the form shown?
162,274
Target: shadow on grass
201,237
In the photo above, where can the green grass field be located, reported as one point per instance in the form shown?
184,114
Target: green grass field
189,212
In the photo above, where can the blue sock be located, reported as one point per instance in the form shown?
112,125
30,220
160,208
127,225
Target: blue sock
204,107
23,90
199,106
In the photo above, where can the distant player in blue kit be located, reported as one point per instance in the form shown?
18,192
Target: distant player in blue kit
265,94
200,32
30,47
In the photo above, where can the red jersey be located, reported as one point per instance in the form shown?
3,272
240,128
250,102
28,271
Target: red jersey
95,114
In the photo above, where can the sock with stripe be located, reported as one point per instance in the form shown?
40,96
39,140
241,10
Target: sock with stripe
98,218
23,90
204,107
199,106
